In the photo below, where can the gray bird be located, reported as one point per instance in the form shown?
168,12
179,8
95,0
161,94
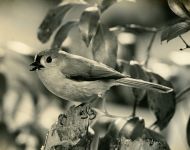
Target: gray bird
75,78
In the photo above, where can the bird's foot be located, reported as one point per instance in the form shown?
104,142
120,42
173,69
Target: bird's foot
87,111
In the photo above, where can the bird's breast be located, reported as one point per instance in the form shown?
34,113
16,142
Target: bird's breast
72,90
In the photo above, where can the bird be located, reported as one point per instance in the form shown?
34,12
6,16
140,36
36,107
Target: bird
79,79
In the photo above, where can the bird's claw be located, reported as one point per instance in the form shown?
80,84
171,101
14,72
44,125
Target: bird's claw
87,112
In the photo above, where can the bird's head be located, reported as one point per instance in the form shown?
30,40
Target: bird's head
45,59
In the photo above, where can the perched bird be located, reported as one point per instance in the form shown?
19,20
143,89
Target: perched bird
75,78
180,7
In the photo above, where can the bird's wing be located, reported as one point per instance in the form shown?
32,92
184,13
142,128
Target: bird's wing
80,68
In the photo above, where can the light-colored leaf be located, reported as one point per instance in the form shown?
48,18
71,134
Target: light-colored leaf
180,7
53,20
62,34
104,46
88,23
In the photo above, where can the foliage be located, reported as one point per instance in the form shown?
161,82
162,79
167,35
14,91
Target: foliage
75,129
103,46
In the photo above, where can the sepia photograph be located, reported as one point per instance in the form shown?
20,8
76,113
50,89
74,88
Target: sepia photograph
94,74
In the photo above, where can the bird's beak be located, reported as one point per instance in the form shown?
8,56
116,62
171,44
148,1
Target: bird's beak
36,64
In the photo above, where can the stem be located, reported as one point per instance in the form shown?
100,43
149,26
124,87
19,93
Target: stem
181,94
187,45
149,48
134,27
142,28
134,108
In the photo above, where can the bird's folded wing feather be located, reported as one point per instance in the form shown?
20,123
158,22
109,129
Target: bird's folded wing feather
80,68
83,69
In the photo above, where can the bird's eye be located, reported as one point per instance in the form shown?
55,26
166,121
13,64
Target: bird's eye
49,59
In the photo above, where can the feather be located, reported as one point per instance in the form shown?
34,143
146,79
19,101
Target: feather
137,83
80,68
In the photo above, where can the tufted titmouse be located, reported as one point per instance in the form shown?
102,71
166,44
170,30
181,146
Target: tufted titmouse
76,78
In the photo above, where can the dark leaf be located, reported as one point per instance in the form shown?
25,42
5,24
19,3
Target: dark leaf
142,144
52,21
130,128
105,4
150,134
3,90
162,104
119,136
104,46
135,70
150,140
62,34
188,132
155,137
88,23
173,31
3,86
110,140
133,128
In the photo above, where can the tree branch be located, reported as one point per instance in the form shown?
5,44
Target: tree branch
187,45
149,48
179,97
142,28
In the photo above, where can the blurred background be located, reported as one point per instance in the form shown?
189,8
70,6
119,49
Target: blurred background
27,109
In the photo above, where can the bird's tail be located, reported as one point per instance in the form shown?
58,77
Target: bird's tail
137,83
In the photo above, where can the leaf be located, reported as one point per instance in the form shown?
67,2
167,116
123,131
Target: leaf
173,31
3,86
88,23
52,21
162,104
180,8
133,128
104,46
135,70
75,44
150,134
188,132
105,4
119,136
62,34
142,144
150,140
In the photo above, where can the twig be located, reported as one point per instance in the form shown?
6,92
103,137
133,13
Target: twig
181,94
149,48
187,45
135,27
142,28
134,108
